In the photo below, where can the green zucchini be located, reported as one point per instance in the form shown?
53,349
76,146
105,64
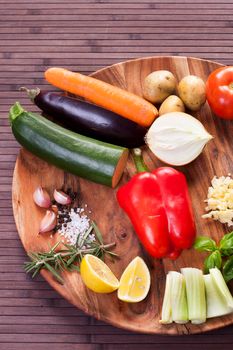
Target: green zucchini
80,155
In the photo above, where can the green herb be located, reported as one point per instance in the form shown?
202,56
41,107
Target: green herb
68,259
228,269
205,244
97,232
226,244
221,255
213,260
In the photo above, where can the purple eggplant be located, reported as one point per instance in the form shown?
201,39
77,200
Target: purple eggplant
88,119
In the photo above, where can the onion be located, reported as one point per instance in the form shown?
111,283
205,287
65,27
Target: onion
177,138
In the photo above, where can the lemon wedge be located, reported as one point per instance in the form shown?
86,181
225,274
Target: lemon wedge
134,282
97,276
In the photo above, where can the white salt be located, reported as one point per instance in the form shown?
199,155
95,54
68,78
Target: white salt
75,229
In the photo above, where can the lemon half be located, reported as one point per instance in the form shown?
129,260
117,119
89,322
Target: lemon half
97,276
134,282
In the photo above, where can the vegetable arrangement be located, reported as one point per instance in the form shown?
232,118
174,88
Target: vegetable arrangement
160,87
78,154
176,138
88,119
103,94
68,257
93,143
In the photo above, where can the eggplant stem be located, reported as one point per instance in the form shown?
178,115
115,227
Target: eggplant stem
138,161
32,93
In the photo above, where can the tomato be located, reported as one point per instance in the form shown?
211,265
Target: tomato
219,92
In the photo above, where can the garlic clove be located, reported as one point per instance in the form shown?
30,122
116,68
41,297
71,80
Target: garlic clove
49,221
177,138
61,197
41,197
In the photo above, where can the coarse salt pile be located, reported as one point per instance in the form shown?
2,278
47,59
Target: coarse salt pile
220,200
75,225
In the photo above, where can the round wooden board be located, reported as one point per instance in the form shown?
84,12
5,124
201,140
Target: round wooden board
216,159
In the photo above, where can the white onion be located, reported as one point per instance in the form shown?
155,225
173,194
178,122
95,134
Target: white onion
177,138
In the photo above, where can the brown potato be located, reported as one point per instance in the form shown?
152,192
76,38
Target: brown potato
172,104
191,90
158,86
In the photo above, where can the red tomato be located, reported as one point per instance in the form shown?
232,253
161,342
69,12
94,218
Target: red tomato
219,92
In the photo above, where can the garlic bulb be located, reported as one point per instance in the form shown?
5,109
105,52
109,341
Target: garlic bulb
177,138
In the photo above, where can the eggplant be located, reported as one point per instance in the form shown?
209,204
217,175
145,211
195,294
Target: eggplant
88,119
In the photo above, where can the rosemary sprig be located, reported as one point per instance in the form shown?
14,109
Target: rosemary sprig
68,259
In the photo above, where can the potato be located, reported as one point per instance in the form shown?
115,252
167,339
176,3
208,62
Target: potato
159,85
191,90
172,104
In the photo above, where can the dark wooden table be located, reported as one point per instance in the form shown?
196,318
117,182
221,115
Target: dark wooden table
86,35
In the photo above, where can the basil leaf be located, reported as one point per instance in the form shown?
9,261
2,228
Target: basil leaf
226,244
205,244
213,260
228,269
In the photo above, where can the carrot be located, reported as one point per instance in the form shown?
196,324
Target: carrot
110,97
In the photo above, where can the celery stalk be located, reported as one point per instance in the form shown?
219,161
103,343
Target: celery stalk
166,308
178,298
216,303
222,286
195,289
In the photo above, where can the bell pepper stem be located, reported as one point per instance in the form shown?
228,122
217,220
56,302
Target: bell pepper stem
138,161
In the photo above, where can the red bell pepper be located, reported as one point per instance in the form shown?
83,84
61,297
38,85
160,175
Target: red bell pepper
159,208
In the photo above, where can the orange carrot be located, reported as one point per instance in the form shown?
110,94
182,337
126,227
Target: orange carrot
122,102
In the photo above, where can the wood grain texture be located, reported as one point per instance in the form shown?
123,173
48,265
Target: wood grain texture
216,159
189,34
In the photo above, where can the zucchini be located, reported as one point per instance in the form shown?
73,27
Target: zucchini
80,155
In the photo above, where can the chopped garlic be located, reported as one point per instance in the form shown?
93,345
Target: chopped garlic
220,200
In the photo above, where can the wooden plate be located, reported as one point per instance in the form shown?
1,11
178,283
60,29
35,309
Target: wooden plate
216,159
